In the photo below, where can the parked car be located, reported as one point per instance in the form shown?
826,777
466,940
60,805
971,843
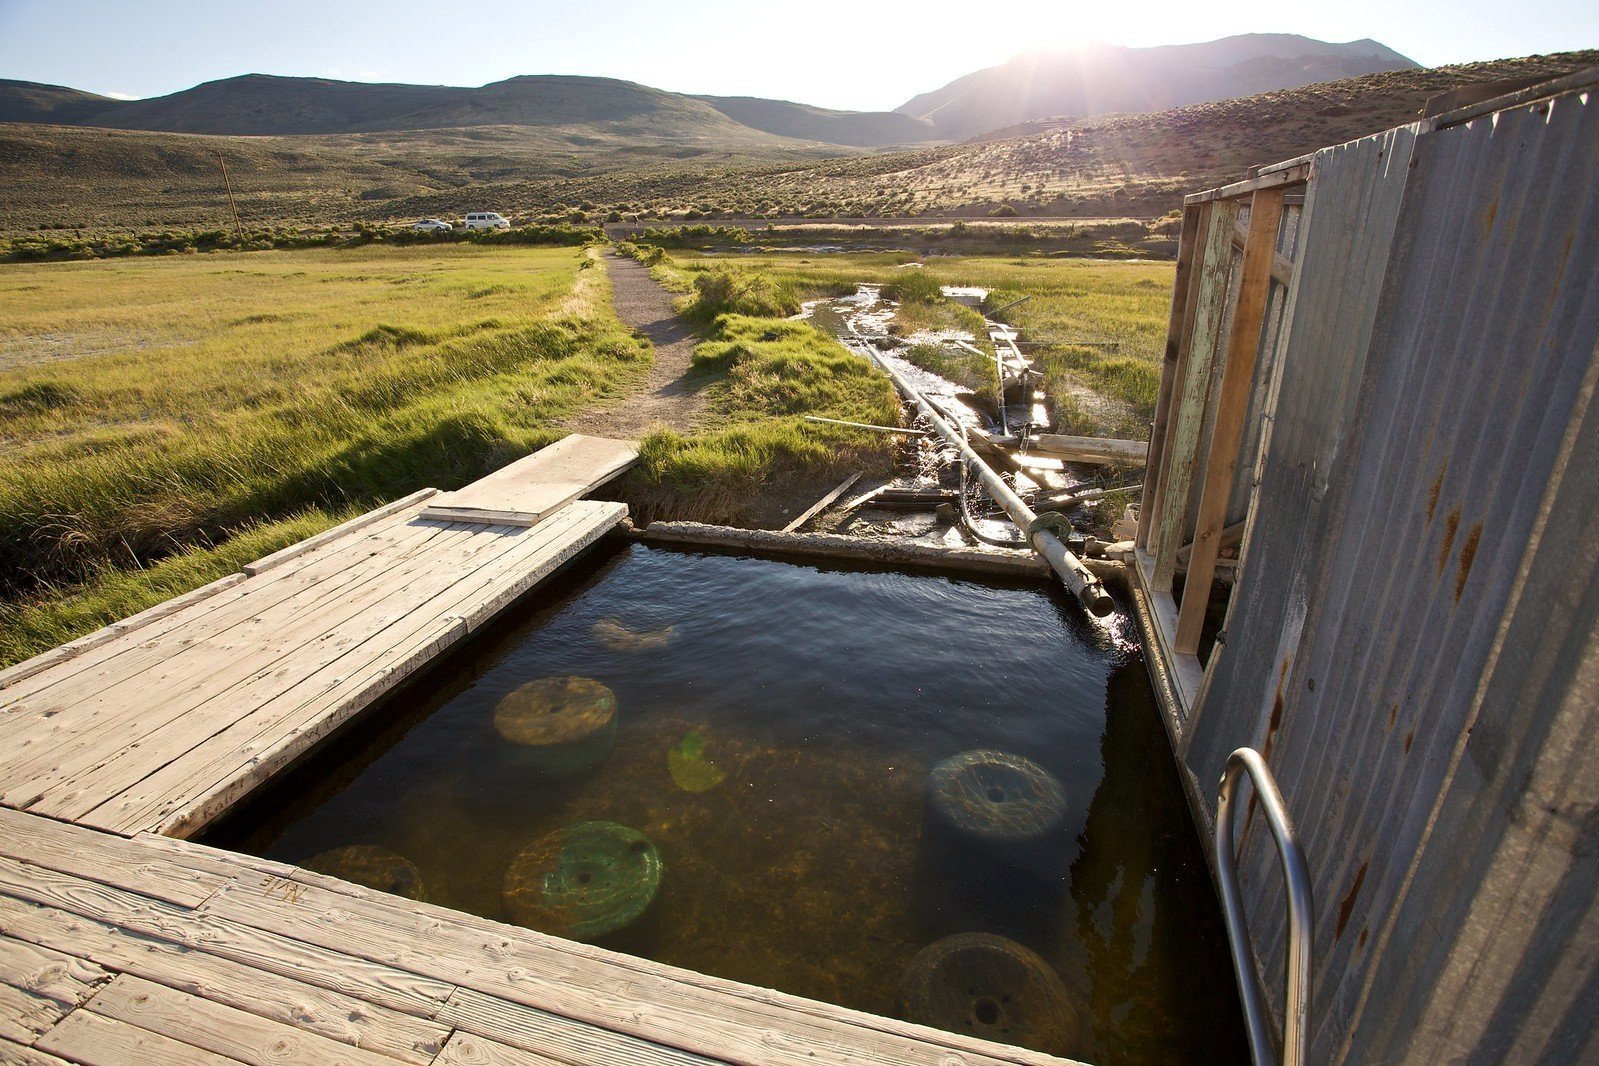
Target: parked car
436,225
486,220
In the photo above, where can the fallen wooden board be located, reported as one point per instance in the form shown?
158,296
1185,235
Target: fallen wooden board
530,489
820,505
1089,449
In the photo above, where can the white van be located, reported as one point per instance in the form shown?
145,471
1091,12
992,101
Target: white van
486,220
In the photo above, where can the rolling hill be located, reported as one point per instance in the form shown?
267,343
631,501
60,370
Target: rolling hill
1099,79
690,162
1092,80
860,129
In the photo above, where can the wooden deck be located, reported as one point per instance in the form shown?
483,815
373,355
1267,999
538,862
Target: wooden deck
163,721
121,943
155,950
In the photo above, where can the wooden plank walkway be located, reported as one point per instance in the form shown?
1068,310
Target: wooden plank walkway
150,949
164,721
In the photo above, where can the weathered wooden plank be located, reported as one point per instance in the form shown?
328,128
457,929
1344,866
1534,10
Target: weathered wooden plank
1176,326
215,1027
535,486
73,730
645,1000
310,544
464,1049
18,1055
1289,172
209,613
529,943
51,845
1238,375
222,678
73,648
345,1018
181,799
107,924
88,1038
820,505
532,1029
1182,449
174,670
1089,449
39,987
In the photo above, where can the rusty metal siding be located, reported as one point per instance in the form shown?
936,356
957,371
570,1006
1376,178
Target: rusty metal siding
1433,395
1354,199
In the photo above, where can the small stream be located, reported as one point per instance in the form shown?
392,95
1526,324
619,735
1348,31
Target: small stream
863,319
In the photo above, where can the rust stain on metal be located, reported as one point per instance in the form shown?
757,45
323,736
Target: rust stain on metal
1451,527
1410,738
1437,487
1348,905
1393,714
1468,554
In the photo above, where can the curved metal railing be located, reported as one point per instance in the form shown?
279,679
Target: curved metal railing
1296,883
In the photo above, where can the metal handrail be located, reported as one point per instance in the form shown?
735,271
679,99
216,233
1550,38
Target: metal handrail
1296,883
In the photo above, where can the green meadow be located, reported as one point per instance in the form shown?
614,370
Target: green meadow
155,410
1100,325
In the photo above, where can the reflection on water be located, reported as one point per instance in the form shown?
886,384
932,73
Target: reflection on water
774,729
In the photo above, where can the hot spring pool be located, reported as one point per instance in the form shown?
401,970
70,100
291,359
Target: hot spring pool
760,736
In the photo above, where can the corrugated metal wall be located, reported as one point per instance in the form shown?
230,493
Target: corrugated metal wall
1414,641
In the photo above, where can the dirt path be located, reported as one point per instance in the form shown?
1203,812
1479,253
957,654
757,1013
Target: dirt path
668,398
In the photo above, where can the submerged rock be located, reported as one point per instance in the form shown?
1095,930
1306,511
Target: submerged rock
567,724
583,881
990,987
996,797
614,635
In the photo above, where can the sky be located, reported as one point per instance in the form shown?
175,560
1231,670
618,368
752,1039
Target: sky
871,55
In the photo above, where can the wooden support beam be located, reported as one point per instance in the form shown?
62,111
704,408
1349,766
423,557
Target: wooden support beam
1282,267
1288,172
820,505
1089,449
1181,307
1232,407
1210,308
1231,537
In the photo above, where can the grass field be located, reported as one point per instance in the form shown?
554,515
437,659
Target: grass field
1124,304
157,408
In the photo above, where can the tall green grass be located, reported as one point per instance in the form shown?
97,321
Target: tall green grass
1121,307
166,403
773,372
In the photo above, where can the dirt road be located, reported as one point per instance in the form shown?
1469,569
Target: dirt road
669,398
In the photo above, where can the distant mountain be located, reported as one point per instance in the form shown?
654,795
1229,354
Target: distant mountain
1092,80
265,105
27,101
861,129
1101,79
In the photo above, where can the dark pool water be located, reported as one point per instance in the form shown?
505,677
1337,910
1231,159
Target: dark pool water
820,698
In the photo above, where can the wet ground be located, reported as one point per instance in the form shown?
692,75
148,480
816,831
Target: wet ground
771,737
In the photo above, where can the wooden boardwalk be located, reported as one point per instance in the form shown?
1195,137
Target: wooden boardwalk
155,950
122,943
164,720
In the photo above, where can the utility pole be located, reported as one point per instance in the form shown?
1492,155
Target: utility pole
228,183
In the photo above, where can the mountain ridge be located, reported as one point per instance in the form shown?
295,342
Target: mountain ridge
1084,81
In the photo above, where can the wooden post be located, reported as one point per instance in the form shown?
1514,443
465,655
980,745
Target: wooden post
1175,328
1188,406
1238,376
228,184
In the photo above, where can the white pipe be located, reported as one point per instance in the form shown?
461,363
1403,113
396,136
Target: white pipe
1070,569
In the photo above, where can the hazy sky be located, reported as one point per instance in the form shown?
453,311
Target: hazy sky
863,54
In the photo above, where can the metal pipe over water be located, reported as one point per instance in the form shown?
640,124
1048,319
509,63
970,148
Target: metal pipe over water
1070,569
